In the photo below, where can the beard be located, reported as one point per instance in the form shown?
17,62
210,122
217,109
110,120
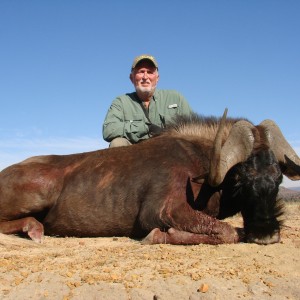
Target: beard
145,92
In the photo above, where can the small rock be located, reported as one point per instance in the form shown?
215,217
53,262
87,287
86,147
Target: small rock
203,288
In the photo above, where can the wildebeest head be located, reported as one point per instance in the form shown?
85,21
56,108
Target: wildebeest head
256,156
255,187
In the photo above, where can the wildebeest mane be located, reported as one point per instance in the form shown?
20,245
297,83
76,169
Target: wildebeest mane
199,125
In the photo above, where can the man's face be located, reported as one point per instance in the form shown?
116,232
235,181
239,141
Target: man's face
144,77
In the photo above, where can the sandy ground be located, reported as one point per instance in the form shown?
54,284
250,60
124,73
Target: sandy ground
121,268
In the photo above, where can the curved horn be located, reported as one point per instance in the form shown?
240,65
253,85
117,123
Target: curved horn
237,148
283,151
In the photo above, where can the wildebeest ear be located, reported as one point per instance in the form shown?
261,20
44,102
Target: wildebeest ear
290,169
200,179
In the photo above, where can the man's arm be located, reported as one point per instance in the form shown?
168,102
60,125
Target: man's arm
121,123
113,125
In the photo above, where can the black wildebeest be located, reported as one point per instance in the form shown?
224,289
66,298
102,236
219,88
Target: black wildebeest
173,188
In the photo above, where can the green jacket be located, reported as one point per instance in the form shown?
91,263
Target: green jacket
126,118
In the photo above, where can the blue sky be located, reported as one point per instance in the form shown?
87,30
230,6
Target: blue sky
63,62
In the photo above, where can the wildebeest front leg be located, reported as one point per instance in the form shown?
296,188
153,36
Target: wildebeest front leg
188,226
178,237
29,225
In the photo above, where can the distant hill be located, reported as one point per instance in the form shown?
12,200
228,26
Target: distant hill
290,194
295,188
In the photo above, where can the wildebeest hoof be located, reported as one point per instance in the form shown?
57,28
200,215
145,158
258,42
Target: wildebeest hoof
154,237
228,234
34,229
36,235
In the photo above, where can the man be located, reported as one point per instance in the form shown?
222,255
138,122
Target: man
137,116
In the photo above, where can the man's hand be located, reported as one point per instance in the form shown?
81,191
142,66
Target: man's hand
154,129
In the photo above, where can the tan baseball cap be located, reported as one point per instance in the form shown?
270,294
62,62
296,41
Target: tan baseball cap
144,57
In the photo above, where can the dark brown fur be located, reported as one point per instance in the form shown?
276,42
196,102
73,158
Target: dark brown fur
156,188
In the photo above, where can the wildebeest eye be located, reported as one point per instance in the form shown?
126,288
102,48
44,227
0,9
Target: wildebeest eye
237,177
